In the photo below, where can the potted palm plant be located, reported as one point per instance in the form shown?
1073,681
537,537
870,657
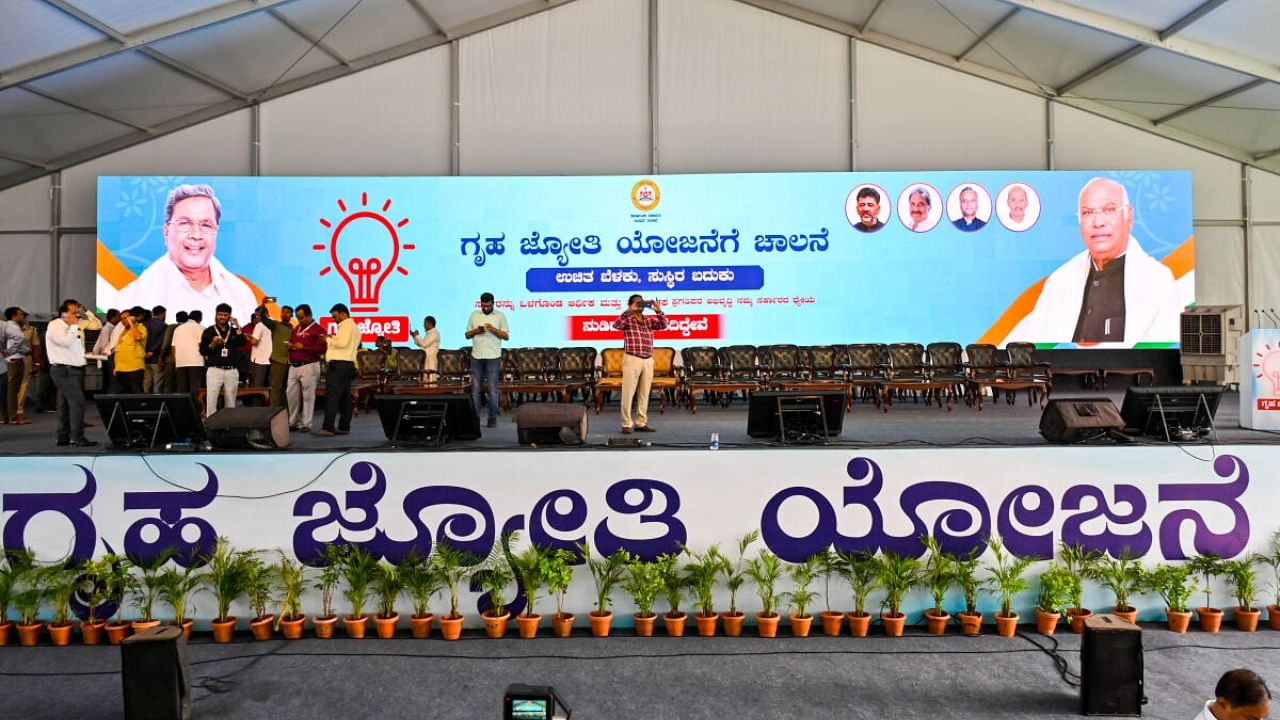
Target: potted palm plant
1272,558
527,567
495,575
387,585
765,571
1175,585
1057,585
421,582
147,590
95,591
262,585
327,579
803,575
673,587
1123,577
118,580
859,569
1244,584
898,575
60,582
829,566
28,594
7,574
939,576
1007,577
359,569
176,587
556,568
734,575
606,573
227,573
453,566
1080,563
644,581
966,576
700,574
1208,566
290,579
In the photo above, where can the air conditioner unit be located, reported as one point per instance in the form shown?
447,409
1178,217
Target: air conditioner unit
1209,336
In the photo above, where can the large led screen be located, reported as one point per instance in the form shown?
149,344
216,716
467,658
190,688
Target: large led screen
1061,259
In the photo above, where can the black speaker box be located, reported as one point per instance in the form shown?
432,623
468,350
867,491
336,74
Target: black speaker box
540,422
1069,420
261,428
157,681
1111,667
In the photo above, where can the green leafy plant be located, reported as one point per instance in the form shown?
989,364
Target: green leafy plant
556,569
1244,580
673,582
227,572
1081,563
606,573
1122,576
10,563
327,579
148,586
765,571
117,581
735,574
387,585
359,570
177,585
828,567
966,578
1272,558
645,580
1056,588
939,572
290,579
1208,566
262,586
27,592
1007,575
496,574
60,586
421,582
803,574
1173,582
858,568
898,575
94,587
453,566
700,574
527,567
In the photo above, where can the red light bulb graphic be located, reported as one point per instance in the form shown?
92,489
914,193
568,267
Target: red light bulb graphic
361,269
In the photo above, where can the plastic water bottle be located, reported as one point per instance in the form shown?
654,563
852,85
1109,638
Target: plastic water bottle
715,441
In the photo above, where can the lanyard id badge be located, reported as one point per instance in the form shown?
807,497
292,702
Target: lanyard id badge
225,353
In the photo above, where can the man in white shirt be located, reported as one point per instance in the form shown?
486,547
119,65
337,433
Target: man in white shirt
188,275
260,354
187,360
429,341
102,347
486,329
1240,695
14,350
64,342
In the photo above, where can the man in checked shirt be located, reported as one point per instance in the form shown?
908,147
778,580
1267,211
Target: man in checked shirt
637,359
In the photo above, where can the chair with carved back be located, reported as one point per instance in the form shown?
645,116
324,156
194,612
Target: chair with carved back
1023,364
454,368
411,366
610,378
946,365
826,363
783,363
906,363
576,368
867,365
665,381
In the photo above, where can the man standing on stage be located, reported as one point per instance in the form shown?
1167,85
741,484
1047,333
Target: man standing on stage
306,349
65,346
343,344
153,368
16,351
486,329
429,341
637,360
187,361
103,348
131,350
220,345
281,331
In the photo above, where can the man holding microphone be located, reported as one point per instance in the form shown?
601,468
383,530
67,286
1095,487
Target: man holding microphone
637,360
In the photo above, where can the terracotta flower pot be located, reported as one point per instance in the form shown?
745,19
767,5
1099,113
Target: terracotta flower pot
324,626
186,626
495,626
1246,620
223,630
355,626
936,624
451,627
528,625
141,626
1178,621
832,623
291,626
261,627
29,635
1210,619
562,624
600,623
91,632
1078,616
117,632
706,624
420,626
1006,626
970,623
893,623
1128,613
6,631
800,626
60,633
767,625
859,624
644,625
675,624
1273,616
385,627
1047,622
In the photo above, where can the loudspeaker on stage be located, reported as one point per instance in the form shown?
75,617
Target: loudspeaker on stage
1111,667
1068,420
261,428
540,422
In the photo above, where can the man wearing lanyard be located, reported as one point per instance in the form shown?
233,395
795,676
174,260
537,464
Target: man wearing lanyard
343,344
637,360
220,344
306,348
65,345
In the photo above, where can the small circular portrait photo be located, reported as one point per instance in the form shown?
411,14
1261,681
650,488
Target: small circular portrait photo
969,207
1018,206
868,208
920,207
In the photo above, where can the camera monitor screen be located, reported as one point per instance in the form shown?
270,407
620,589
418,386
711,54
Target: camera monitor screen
530,709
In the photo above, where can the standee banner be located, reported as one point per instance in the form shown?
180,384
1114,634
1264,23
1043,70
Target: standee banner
1062,259
1159,503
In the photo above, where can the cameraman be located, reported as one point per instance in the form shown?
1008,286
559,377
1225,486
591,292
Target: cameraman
637,359
220,345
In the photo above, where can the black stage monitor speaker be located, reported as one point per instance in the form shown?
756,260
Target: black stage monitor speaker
260,428
1071,420
796,415
157,682
1111,667
1175,412
150,421
542,423
427,419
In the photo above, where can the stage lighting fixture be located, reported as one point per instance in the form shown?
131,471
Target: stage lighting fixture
533,702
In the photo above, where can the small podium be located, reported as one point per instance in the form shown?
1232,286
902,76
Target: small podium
1260,379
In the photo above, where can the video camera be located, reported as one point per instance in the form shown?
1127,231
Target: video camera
533,702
